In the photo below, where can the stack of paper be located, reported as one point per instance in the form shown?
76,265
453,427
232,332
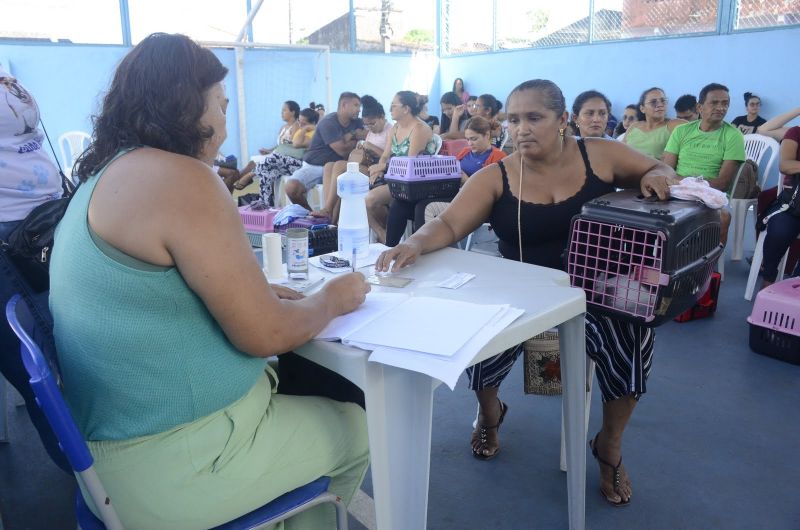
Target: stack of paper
436,336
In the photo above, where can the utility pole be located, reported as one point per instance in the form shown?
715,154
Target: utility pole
386,28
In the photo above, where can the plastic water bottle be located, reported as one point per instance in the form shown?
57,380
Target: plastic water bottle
352,187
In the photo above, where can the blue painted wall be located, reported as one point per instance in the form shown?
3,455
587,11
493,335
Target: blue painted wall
759,62
69,80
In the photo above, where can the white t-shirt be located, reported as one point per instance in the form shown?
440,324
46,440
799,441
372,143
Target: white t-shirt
27,175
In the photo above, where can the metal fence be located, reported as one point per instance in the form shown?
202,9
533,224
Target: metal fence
766,13
396,26
509,24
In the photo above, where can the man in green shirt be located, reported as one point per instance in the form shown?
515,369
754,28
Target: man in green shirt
708,147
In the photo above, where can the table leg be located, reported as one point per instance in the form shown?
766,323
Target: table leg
572,341
399,415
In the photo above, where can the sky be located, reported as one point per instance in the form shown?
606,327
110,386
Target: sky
98,21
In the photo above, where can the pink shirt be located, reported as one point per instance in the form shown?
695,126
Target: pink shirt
380,139
794,135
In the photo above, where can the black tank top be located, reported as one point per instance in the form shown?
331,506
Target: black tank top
545,227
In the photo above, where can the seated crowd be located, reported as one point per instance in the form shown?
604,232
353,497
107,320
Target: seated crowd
188,423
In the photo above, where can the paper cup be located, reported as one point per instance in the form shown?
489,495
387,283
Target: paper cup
273,256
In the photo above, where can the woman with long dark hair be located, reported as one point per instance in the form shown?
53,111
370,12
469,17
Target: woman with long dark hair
164,318
750,122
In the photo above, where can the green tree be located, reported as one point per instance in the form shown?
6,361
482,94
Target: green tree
419,36
538,18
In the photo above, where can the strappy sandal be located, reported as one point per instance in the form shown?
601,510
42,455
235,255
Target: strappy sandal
483,432
244,181
596,455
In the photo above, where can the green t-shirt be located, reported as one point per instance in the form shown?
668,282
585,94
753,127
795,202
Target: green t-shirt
702,153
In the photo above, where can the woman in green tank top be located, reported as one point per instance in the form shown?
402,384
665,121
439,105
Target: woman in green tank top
649,135
163,318
410,136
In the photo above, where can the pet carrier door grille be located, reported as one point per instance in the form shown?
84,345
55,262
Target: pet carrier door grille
619,267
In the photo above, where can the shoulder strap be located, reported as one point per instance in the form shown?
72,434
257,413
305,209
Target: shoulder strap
503,171
585,156
66,184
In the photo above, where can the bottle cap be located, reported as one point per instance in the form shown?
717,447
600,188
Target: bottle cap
352,167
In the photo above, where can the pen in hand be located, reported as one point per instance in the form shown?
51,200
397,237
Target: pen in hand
353,260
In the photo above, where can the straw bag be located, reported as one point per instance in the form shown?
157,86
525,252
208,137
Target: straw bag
363,156
542,367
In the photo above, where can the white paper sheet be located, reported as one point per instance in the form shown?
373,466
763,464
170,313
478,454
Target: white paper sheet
373,307
437,326
446,369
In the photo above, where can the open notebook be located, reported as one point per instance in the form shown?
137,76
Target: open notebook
428,325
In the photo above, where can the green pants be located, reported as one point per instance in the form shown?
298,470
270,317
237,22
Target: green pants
235,460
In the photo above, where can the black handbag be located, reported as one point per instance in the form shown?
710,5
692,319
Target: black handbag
790,197
30,244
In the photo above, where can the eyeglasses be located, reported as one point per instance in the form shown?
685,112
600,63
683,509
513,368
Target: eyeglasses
334,262
656,102
395,105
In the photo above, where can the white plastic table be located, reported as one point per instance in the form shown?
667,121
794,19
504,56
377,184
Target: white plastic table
399,402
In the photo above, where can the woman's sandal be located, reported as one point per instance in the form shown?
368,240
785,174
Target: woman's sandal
596,455
244,181
483,432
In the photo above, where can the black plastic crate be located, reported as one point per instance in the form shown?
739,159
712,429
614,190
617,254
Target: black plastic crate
776,344
417,191
323,240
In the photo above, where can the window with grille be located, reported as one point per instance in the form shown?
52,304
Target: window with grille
766,13
85,22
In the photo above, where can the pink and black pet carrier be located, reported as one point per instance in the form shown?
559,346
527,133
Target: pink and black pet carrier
775,321
643,260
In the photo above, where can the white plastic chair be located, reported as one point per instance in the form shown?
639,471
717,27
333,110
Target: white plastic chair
438,139
4,411
756,147
758,257
72,144
484,228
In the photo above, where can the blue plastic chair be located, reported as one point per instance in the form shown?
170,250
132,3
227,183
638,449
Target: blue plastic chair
49,398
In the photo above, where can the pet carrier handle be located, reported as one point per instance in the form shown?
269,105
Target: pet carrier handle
652,200
711,256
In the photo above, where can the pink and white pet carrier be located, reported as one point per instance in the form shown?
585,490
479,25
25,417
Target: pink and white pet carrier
775,321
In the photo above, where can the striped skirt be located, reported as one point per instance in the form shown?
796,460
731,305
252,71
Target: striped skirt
622,352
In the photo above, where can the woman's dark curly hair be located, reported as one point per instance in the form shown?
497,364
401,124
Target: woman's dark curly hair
156,99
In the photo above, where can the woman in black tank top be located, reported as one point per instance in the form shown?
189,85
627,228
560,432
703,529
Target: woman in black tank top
530,198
